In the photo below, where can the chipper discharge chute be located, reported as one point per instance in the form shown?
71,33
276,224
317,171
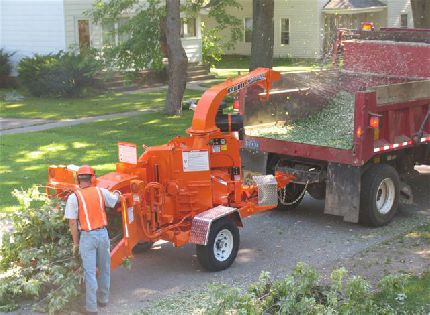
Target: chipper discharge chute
191,189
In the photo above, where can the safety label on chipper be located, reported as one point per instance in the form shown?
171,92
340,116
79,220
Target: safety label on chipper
194,161
127,152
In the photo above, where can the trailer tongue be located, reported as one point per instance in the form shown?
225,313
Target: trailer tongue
189,190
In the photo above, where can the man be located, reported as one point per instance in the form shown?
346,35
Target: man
85,210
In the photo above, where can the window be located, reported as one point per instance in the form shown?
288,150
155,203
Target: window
123,35
108,33
188,28
112,33
403,20
248,30
285,31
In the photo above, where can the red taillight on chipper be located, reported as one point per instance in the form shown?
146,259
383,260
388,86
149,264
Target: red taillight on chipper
236,104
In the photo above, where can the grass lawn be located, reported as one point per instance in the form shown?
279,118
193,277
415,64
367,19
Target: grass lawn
69,108
25,157
418,288
231,66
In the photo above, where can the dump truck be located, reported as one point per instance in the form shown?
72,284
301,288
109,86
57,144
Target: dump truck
190,190
387,72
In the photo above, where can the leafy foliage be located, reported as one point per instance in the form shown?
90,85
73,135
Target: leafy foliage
213,44
61,74
141,35
36,260
140,48
212,50
299,293
5,65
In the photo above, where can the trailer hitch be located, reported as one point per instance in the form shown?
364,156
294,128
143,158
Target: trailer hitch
417,137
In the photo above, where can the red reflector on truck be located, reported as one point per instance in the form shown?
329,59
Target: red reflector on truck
374,122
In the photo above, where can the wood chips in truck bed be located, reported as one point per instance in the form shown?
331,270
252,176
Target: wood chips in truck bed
333,126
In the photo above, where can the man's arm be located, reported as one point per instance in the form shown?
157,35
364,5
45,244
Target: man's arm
111,198
73,226
71,213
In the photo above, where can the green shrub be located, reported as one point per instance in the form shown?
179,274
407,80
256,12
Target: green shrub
212,49
61,74
36,260
5,65
5,70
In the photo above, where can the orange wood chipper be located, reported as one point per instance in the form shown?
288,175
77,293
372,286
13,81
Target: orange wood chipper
190,190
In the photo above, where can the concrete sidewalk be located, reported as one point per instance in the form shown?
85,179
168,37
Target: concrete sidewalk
9,126
31,125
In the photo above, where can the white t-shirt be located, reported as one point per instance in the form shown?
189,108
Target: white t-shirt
72,208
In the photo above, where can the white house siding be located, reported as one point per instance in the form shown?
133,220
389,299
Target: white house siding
395,9
74,10
305,28
29,26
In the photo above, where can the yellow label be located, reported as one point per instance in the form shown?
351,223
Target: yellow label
224,147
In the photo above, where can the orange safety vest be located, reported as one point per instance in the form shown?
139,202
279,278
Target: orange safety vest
91,203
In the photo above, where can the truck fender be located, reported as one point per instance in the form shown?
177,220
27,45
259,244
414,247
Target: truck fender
202,222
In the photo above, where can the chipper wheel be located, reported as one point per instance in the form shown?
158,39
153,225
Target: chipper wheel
379,195
222,247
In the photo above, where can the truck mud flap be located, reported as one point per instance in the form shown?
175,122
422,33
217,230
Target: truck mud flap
343,191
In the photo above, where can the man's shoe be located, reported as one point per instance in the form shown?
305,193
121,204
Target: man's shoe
101,304
85,312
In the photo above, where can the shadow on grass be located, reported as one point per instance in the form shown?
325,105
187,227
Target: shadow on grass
25,157
69,108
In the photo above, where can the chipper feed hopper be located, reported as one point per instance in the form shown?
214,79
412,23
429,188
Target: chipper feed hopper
191,189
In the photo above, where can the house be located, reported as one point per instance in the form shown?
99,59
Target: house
303,28
297,28
48,26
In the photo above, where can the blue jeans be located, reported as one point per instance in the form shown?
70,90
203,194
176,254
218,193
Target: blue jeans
94,247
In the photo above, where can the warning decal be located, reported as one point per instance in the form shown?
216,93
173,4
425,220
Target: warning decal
127,152
194,161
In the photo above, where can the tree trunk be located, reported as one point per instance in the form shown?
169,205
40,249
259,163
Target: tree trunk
262,34
178,61
421,13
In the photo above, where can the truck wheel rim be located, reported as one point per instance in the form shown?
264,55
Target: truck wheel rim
385,196
223,245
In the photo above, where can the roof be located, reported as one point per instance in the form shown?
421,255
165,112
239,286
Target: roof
353,4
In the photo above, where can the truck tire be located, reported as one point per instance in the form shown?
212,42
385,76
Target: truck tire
379,200
292,197
222,247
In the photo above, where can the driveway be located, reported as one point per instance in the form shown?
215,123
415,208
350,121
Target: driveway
273,241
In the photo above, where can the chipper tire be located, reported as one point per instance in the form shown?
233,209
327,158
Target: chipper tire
222,247
380,189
